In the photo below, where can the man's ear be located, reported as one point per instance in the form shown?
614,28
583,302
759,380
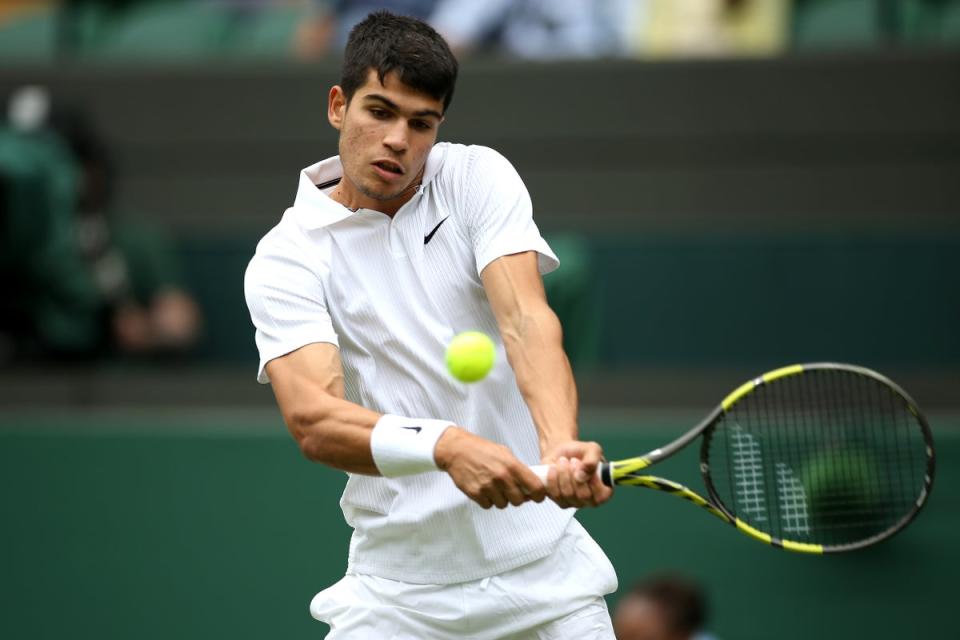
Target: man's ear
336,107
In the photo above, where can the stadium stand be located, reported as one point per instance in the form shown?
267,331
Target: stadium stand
185,30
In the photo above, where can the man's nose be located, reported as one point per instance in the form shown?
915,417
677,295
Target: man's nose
396,136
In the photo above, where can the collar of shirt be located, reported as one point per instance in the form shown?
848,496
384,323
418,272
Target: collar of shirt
315,209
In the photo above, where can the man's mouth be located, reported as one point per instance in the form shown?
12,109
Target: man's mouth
389,166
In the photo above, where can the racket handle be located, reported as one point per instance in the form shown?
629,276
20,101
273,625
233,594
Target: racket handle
603,472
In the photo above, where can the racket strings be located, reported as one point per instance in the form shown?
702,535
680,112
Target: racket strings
831,457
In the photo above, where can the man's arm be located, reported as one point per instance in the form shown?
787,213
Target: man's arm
533,338
308,384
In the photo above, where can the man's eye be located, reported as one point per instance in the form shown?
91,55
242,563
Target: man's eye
379,113
420,125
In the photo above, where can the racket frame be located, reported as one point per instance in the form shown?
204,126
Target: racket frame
626,472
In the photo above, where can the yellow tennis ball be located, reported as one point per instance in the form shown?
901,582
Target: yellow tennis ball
470,356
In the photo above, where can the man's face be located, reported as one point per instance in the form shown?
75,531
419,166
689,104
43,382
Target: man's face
637,618
386,133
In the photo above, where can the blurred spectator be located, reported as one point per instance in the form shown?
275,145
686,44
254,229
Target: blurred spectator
661,608
709,27
50,306
537,29
329,23
126,292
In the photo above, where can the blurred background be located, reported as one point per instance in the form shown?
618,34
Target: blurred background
731,185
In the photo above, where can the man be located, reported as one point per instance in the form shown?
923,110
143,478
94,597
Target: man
661,608
390,250
85,282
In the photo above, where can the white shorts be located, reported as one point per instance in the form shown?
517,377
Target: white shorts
560,596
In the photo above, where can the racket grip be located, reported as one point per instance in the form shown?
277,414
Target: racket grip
603,472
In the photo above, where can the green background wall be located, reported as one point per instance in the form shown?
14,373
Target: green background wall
165,525
738,296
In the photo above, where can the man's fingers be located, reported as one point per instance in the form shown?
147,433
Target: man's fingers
580,474
590,457
601,492
499,500
568,490
553,483
582,486
483,501
530,484
553,487
515,496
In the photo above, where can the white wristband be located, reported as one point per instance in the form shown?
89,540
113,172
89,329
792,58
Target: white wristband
404,446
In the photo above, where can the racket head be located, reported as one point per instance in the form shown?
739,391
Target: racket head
821,458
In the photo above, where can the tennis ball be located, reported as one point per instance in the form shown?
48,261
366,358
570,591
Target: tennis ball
470,356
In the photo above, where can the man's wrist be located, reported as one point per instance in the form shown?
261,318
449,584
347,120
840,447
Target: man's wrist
553,444
446,447
402,446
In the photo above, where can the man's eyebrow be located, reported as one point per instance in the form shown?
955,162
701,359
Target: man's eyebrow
376,97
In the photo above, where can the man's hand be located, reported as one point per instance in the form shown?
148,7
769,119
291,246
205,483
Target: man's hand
572,480
487,472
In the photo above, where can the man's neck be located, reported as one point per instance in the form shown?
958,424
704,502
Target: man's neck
350,197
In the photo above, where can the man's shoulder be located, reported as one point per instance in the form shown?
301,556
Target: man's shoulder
286,256
458,156
283,233
285,240
474,166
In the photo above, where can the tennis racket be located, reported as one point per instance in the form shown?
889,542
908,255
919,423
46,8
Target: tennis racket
813,458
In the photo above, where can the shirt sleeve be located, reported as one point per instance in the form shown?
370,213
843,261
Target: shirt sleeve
498,212
286,302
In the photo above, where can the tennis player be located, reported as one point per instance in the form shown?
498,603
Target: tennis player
389,250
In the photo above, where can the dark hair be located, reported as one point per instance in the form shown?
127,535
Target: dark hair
681,601
387,42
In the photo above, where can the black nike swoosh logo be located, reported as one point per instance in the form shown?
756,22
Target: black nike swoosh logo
417,429
427,238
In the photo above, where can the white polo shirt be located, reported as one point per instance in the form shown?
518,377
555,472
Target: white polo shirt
391,293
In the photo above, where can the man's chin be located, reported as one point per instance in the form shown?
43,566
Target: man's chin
383,196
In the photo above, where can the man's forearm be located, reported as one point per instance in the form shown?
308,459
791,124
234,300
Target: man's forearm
535,351
335,432
349,437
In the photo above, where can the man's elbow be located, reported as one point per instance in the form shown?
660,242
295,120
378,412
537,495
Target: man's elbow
308,435
313,448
